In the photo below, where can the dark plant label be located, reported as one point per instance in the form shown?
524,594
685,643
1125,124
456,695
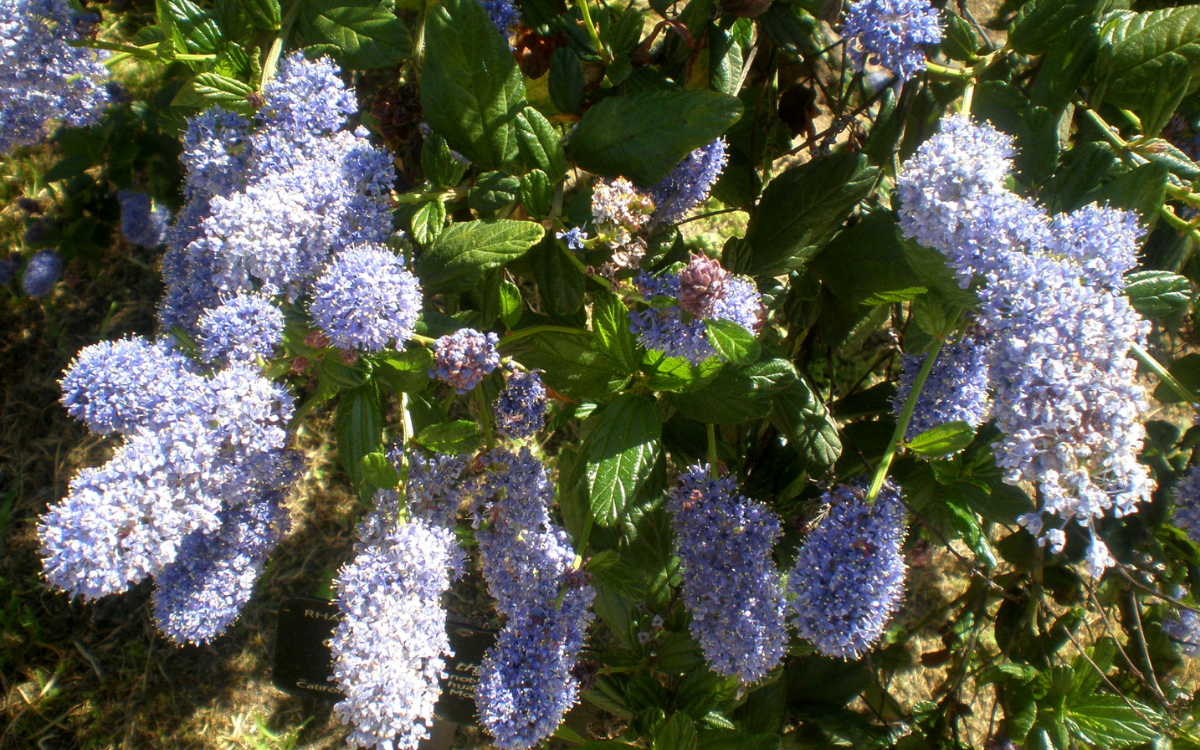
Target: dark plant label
304,665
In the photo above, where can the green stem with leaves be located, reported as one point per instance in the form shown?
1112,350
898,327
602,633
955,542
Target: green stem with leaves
272,62
485,417
592,31
1143,356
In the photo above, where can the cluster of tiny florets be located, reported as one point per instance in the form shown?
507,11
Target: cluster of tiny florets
682,301
390,647
956,389
618,203
730,583
848,579
271,199
1186,496
892,33
502,13
43,78
526,682
194,446
144,221
241,329
366,299
1065,392
689,183
41,273
521,406
464,358
1183,627
200,594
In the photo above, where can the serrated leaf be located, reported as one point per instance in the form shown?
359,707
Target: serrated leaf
1141,43
732,342
466,250
610,331
537,194
679,733
1040,23
810,431
942,440
359,427
1158,293
493,191
428,221
561,285
441,165
190,24
621,451
800,210
566,80
643,135
459,436
367,33
539,145
223,90
1110,721
471,89
378,470
736,394
572,366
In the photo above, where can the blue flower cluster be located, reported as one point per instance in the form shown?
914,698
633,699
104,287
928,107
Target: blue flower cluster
464,358
848,579
526,683
41,273
892,33
241,329
389,648
956,389
194,446
521,407
688,183
681,302
1186,496
269,201
437,486
200,594
1065,392
366,299
144,221
504,14
43,79
730,583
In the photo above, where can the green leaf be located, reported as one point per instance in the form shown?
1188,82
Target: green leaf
428,221
643,135
1040,23
942,440
790,28
540,145
537,194
440,164
1139,45
679,733
610,331
471,89
466,250
406,372
493,191
810,431
227,92
1158,293
1174,79
1186,370
459,436
732,342
359,427
189,24
960,41
1141,189
367,32
264,14
736,394
378,470
800,210
560,283
566,80
621,451
510,303
572,366
1108,721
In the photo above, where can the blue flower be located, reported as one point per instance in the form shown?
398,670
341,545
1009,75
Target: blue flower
521,407
956,389
848,579
574,237
730,583
366,299
464,358
504,14
892,33
242,329
688,184
143,220
1186,496
41,273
